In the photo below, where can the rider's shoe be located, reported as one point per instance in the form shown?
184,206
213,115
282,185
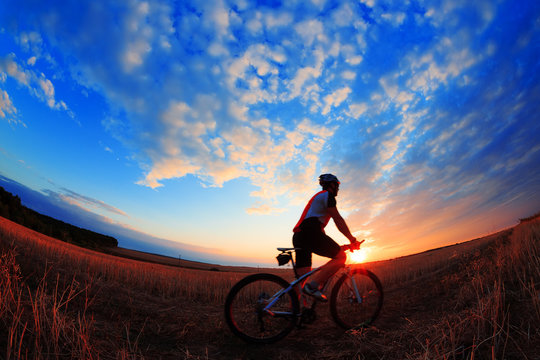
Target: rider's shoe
316,293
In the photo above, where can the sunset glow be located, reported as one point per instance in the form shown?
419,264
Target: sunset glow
197,129
357,257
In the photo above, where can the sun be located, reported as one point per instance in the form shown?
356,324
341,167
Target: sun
358,256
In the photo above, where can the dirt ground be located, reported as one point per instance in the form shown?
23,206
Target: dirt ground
170,329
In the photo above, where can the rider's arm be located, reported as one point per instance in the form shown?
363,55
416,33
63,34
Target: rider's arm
340,223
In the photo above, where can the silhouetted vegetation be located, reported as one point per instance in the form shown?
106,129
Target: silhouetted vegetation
12,209
532,217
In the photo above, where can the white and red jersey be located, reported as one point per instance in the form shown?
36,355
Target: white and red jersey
317,207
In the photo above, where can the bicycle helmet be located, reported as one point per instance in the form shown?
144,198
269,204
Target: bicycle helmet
327,178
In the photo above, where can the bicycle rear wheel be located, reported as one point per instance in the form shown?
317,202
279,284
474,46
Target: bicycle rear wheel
356,299
244,309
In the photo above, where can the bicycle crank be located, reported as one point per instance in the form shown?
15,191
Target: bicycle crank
308,316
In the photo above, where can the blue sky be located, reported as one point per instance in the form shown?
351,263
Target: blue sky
199,128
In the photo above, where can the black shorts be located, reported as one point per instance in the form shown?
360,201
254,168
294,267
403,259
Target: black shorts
311,239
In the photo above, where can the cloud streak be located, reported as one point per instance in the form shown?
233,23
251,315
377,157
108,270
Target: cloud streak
82,201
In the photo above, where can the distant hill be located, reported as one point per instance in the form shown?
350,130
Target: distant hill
11,208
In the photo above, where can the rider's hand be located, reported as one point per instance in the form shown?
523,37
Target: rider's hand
355,245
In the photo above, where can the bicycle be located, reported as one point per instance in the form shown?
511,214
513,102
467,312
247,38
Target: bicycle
264,308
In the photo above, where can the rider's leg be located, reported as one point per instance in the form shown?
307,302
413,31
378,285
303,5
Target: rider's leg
303,270
303,254
327,270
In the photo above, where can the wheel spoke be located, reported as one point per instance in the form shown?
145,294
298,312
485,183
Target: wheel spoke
356,300
245,309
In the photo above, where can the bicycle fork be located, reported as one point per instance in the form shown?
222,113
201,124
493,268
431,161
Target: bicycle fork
355,289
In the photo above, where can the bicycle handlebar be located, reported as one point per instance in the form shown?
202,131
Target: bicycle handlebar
354,246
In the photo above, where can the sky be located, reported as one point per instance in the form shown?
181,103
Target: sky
198,129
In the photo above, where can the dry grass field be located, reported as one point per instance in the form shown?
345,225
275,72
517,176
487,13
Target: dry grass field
167,260
475,300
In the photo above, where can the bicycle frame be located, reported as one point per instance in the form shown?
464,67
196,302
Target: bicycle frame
277,295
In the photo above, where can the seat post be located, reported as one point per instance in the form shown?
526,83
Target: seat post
294,265
290,252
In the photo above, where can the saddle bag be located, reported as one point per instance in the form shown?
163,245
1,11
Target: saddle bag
283,259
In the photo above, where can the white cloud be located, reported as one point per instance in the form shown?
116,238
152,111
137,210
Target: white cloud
396,18
357,109
273,20
255,25
318,3
348,75
389,86
47,87
238,111
343,16
168,168
31,42
450,13
217,49
165,43
241,4
351,55
355,60
297,86
34,81
263,208
221,16
138,34
310,30
320,131
448,59
302,76
9,66
216,17
135,53
404,97
257,61
370,3
248,149
217,143
335,99
244,139
7,109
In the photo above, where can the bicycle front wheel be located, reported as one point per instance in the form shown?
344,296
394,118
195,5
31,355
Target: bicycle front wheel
356,299
245,309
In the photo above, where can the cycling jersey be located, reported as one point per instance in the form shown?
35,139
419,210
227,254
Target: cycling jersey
309,236
317,207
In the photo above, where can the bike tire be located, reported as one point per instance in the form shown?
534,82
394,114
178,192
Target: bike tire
244,304
347,311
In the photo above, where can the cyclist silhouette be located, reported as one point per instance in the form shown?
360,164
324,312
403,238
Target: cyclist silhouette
310,237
